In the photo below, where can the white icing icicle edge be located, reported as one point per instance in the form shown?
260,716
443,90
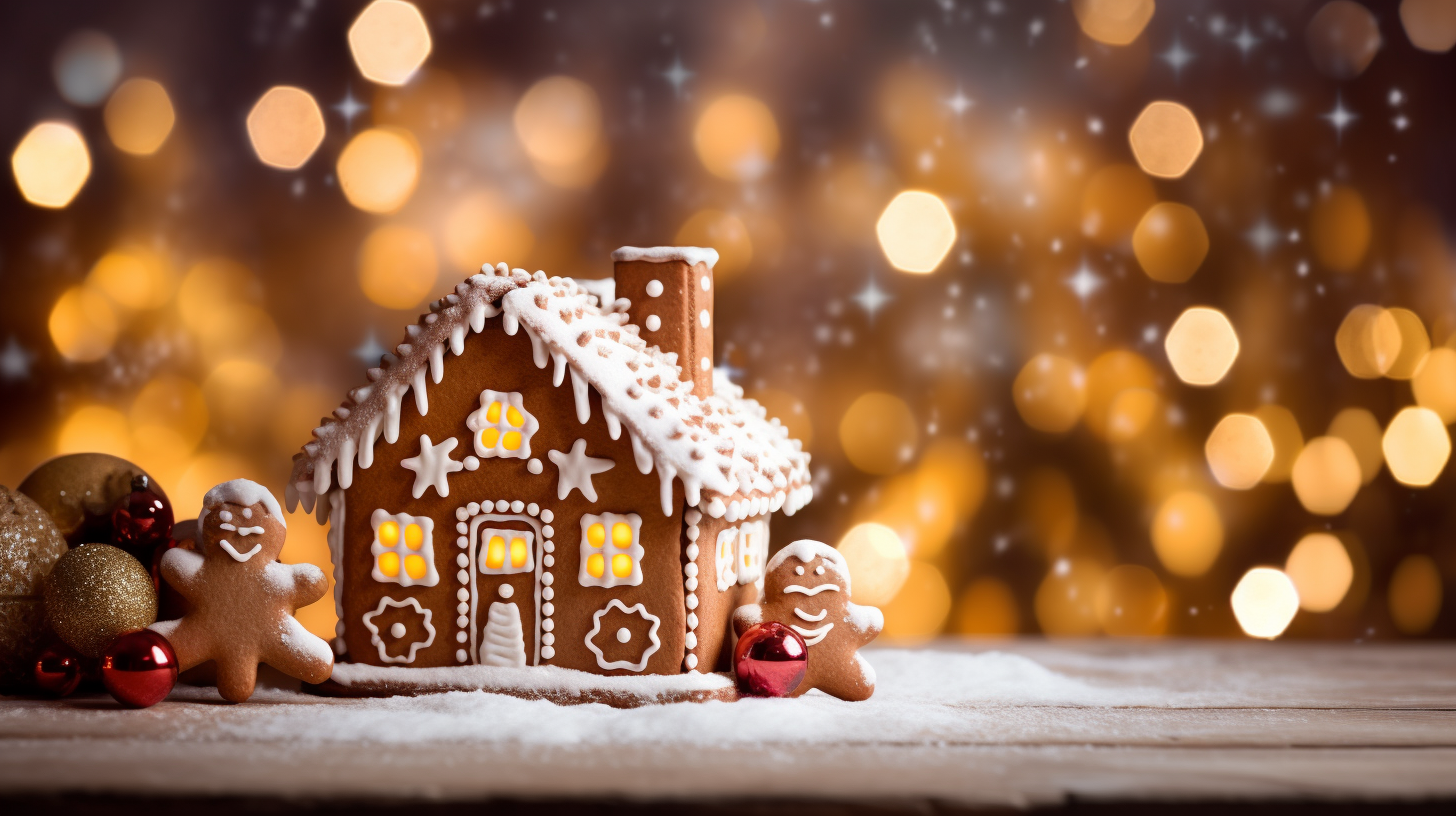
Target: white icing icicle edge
731,458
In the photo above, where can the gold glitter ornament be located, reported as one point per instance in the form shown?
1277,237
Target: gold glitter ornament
96,592
80,490
29,546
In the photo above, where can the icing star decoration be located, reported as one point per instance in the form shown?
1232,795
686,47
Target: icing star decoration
577,469
433,466
240,610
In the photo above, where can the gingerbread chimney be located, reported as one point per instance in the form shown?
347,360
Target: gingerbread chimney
671,291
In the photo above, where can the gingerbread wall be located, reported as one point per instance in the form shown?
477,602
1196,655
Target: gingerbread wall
494,360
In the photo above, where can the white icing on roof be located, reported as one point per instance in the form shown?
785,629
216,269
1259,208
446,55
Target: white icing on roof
663,254
731,457
806,550
241,492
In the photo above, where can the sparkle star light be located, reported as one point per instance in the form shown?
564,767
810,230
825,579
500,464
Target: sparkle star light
872,298
1177,57
15,361
1245,41
677,76
1084,282
1340,117
349,108
960,103
369,351
1262,236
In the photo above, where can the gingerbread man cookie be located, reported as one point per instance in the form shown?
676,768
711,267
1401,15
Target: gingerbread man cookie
807,589
240,599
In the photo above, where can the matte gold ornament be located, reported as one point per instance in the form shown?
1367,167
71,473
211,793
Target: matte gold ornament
80,490
95,593
29,547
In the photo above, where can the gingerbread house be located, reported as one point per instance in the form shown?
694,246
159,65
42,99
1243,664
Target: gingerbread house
564,478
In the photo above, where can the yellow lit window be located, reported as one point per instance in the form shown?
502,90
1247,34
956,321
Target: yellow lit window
611,550
725,553
505,552
502,426
752,551
402,549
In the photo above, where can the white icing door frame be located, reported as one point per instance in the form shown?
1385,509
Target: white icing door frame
471,550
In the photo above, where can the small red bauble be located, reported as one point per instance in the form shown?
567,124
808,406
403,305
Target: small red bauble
141,521
770,660
58,670
139,668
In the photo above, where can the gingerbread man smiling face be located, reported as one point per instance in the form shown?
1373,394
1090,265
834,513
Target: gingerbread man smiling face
807,589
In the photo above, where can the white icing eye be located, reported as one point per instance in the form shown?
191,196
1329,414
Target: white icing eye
225,516
819,571
798,570
247,512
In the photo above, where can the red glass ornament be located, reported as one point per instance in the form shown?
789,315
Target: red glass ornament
139,668
770,660
58,670
141,521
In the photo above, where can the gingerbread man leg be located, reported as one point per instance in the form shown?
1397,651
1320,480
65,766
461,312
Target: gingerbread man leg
190,641
236,677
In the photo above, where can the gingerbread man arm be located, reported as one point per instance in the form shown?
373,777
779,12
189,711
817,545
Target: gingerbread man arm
309,584
745,617
868,621
181,568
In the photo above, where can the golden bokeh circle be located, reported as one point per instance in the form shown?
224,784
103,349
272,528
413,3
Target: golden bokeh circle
1239,451
1326,476
1434,383
1359,428
397,266
736,138
1065,601
1113,202
1368,341
285,127
50,164
1321,570
139,116
1165,139
1265,602
1414,343
987,608
559,121
1287,437
1111,374
95,429
878,433
1187,533
878,563
389,41
1342,38
379,168
722,231
83,325
1050,393
1416,446
1170,242
484,229
916,231
1429,24
134,278
1131,602
1113,22
1414,597
1201,345
919,610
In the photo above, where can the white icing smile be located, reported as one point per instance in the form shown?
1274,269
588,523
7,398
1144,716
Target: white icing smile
813,590
237,556
802,615
813,636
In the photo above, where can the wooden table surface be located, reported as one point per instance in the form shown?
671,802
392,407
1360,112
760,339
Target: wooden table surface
1008,723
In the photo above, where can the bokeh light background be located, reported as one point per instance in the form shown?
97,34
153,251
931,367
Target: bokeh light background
1098,317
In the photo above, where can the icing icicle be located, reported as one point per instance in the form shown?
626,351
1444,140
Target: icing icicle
422,402
578,390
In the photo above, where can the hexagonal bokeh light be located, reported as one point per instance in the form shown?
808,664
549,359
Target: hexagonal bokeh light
390,41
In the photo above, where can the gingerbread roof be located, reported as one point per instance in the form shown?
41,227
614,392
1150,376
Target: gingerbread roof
731,457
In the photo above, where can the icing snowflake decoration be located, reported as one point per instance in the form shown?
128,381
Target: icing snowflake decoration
433,466
398,630
733,461
652,643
